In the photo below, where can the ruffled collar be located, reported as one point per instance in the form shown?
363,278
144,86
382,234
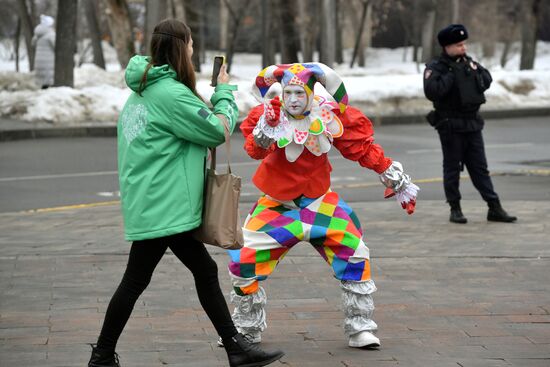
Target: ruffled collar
315,132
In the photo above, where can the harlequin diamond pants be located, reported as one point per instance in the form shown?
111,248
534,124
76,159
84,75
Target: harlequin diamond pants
273,227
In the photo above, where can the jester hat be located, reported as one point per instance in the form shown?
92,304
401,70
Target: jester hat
304,75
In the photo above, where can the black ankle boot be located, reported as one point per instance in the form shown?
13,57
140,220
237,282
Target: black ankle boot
243,354
103,358
497,214
456,213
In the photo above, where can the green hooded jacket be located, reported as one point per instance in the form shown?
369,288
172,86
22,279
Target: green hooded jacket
163,137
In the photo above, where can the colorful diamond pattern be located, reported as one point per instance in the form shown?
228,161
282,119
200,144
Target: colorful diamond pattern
333,229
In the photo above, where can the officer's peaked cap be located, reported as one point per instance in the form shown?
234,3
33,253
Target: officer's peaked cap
453,33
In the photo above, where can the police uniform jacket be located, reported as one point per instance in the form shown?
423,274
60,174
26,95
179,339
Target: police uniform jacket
456,86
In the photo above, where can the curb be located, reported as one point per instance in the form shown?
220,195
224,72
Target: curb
487,115
110,130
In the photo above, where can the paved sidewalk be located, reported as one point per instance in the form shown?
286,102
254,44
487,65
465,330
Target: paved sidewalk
475,295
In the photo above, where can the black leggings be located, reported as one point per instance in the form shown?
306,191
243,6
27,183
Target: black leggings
144,257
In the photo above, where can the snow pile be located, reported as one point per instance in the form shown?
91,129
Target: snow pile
387,86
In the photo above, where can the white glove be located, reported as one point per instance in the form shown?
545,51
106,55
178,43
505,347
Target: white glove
400,184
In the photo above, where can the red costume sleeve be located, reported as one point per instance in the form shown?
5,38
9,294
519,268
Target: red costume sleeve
253,150
357,141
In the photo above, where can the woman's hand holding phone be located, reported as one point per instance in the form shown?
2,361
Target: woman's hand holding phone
223,77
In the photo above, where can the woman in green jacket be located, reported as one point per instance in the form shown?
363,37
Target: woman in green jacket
164,131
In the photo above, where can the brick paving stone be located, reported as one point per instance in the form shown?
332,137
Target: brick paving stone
448,295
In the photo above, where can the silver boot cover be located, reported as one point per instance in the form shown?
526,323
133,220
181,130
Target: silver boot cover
358,306
249,312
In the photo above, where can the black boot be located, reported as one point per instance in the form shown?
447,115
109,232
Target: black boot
456,213
243,354
497,214
103,358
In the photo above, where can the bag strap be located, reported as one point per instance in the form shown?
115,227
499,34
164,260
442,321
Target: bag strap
227,145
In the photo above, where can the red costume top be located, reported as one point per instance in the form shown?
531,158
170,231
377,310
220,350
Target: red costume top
309,175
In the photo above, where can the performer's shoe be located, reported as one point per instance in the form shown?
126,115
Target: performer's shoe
364,339
251,337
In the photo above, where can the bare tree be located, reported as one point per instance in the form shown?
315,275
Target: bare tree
443,14
308,29
488,17
16,43
287,34
193,19
27,26
512,14
427,7
339,51
455,15
328,38
155,11
95,33
224,24
236,14
529,26
268,52
120,25
359,24
65,43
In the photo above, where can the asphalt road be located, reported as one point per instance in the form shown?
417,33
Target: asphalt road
48,173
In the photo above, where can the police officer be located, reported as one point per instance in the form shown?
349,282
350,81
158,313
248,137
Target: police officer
455,84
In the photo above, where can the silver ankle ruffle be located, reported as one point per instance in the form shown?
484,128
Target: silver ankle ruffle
358,306
249,312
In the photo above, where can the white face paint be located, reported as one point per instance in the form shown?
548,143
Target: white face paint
295,99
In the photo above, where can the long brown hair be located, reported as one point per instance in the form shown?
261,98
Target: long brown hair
169,43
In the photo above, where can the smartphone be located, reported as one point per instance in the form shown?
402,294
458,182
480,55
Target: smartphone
218,62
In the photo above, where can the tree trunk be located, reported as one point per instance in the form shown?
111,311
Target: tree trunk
179,9
328,38
416,26
305,27
455,15
512,11
339,52
442,18
27,27
235,16
427,36
65,43
95,32
121,29
16,43
224,24
358,49
268,55
155,11
193,20
289,49
529,28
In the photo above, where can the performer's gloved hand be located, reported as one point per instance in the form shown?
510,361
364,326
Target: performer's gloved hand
261,140
272,112
399,184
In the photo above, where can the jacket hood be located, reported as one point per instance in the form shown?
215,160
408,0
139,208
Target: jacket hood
136,67
42,29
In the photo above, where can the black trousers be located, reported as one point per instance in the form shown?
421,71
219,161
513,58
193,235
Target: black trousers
144,257
465,149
